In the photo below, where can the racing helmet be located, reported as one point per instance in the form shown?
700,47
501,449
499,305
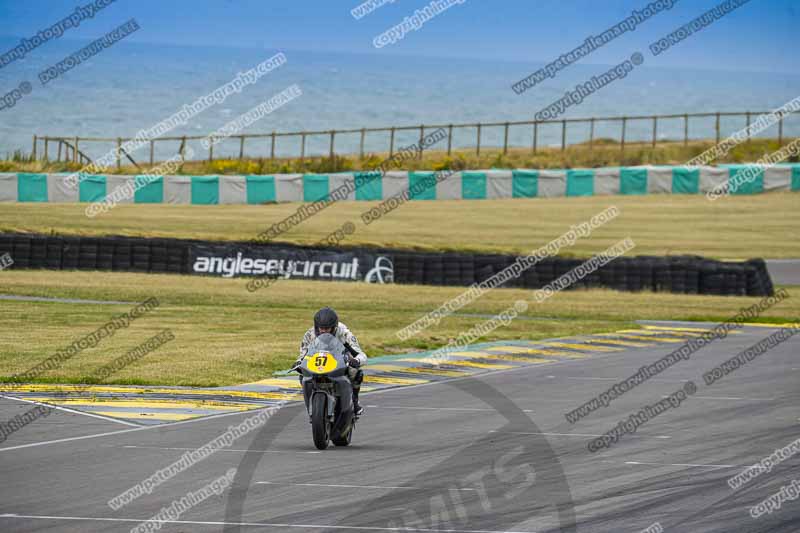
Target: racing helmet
326,318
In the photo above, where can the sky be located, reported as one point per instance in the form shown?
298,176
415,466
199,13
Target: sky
758,36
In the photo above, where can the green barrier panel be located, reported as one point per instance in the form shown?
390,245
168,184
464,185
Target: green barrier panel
633,181
149,190
92,189
369,186
260,189
796,178
750,183
524,183
580,182
685,181
205,190
473,186
422,185
31,187
315,188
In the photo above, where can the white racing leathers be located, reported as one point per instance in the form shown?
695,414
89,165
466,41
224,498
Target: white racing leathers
346,336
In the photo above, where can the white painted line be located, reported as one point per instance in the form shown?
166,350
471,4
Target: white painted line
25,298
252,524
220,450
622,379
139,428
572,434
74,411
679,464
69,439
350,486
438,408
221,415
730,398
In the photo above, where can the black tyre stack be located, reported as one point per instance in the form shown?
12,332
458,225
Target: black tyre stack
451,272
158,256
105,254
678,274
87,254
70,253
55,252
22,252
466,266
402,267
177,258
123,255
140,256
434,270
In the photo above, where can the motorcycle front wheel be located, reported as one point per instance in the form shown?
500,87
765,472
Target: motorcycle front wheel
319,421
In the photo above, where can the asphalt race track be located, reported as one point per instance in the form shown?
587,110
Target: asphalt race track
492,453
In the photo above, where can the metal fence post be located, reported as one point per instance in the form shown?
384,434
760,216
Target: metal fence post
505,139
272,149
75,151
152,150
478,145
241,147
563,135
780,130
449,138
211,149
421,137
183,149
655,130
333,135
624,125
591,134
685,130
748,126
33,153
716,128
59,150
302,147
361,144
391,142
535,136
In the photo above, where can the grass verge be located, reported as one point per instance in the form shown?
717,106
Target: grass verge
225,335
736,227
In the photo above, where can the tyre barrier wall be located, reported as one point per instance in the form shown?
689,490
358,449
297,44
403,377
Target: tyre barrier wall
677,274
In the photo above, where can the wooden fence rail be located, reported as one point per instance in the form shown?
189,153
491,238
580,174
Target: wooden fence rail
73,153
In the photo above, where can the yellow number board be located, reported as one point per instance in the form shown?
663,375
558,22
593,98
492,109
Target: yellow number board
321,363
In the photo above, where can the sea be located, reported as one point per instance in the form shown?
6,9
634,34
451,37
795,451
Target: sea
132,86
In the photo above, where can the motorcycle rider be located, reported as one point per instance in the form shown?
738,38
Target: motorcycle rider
327,321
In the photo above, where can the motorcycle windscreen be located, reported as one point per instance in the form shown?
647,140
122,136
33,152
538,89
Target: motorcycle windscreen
325,354
327,343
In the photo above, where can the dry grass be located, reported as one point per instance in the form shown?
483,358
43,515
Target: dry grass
604,152
737,227
226,335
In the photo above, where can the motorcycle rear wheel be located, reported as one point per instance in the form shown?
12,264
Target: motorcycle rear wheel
319,421
344,439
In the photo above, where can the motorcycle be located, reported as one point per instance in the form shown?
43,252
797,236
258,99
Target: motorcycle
327,391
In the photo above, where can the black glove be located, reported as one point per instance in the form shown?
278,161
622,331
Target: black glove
354,362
